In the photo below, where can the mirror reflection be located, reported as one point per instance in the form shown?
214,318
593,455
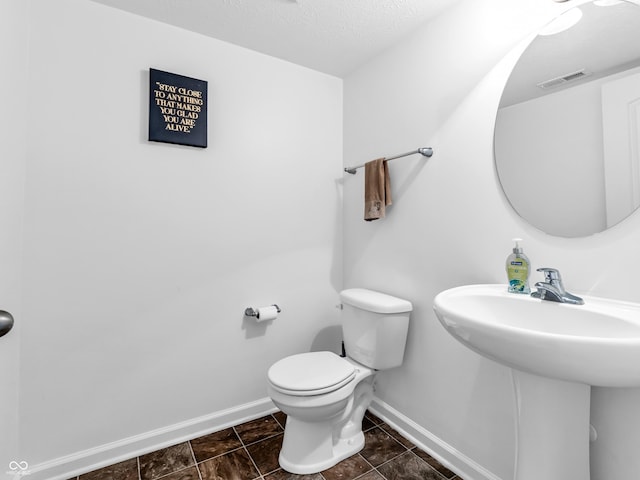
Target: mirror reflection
567,136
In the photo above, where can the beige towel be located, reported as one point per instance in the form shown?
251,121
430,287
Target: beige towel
377,189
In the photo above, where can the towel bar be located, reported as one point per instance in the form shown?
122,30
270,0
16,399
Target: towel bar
426,151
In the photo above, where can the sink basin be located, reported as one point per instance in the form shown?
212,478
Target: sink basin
556,352
597,343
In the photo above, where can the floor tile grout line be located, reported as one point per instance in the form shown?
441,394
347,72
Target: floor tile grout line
175,471
375,468
370,464
245,445
220,455
242,446
277,421
441,476
260,476
246,450
263,439
195,461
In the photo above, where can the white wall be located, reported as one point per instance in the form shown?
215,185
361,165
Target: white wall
451,225
141,257
13,131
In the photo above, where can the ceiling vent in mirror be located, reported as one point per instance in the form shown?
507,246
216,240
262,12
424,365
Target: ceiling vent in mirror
561,80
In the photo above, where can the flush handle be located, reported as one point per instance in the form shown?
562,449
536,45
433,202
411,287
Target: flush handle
6,322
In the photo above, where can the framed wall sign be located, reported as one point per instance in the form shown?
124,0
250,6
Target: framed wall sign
177,109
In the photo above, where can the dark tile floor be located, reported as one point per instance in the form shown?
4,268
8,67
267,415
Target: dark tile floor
250,452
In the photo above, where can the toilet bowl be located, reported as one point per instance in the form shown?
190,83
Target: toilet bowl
325,396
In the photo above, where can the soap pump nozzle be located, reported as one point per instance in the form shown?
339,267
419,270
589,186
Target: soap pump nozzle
517,248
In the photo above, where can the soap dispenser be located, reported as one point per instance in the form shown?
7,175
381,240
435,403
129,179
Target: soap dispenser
518,269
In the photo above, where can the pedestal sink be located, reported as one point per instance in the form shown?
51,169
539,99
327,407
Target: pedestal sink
556,352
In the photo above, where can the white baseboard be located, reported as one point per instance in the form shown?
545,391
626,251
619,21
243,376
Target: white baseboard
440,450
108,454
91,459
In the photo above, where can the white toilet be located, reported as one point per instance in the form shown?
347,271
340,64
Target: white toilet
324,395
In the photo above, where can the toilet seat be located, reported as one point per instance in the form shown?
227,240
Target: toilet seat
308,374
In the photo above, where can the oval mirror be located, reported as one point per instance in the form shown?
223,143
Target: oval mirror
567,135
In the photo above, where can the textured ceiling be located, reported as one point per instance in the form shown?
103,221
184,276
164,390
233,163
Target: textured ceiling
331,36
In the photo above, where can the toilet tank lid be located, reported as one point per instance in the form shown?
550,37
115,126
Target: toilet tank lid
374,301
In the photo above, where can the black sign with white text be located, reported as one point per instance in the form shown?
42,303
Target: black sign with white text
177,109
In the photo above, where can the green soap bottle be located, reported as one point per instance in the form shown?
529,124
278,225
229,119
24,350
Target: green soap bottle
518,269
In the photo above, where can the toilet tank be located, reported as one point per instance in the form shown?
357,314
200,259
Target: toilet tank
374,326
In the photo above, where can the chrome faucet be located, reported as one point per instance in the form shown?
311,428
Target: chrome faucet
553,290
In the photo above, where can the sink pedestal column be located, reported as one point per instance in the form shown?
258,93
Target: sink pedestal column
552,427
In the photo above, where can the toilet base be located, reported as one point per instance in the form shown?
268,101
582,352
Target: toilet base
309,448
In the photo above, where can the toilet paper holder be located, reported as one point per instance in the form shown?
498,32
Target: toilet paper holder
253,312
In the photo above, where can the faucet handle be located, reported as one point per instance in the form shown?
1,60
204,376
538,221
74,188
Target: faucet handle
551,275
